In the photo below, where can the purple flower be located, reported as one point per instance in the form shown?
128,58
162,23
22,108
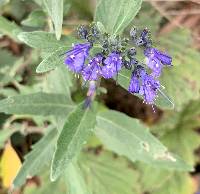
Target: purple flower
76,57
138,73
144,84
156,59
92,71
149,88
155,65
134,86
112,65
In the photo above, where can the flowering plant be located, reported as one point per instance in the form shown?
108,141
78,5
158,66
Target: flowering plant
116,53
110,109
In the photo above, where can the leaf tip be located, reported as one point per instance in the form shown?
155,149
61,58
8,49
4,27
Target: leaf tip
53,174
38,69
41,69
21,36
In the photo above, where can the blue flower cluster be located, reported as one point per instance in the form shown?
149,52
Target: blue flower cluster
113,54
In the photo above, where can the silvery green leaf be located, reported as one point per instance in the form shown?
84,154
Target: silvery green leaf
116,15
74,134
45,40
55,11
44,104
126,136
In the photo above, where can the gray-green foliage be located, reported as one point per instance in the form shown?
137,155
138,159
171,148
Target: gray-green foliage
44,40
60,81
55,11
75,133
116,16
127,137
138,161
37,104
53,60
47,43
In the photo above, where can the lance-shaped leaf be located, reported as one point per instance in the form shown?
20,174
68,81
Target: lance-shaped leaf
37,104
75,133
37,159
55,11
116,16
45,40
53,60
126,136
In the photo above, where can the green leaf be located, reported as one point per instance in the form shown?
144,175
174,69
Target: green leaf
35,19
75,181
75,133
37,104
55,11
9,28
47,42
53,60
116,16
37,159
126,136
60,81
44,40
106,174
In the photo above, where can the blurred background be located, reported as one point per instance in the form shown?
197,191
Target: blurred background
175,26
